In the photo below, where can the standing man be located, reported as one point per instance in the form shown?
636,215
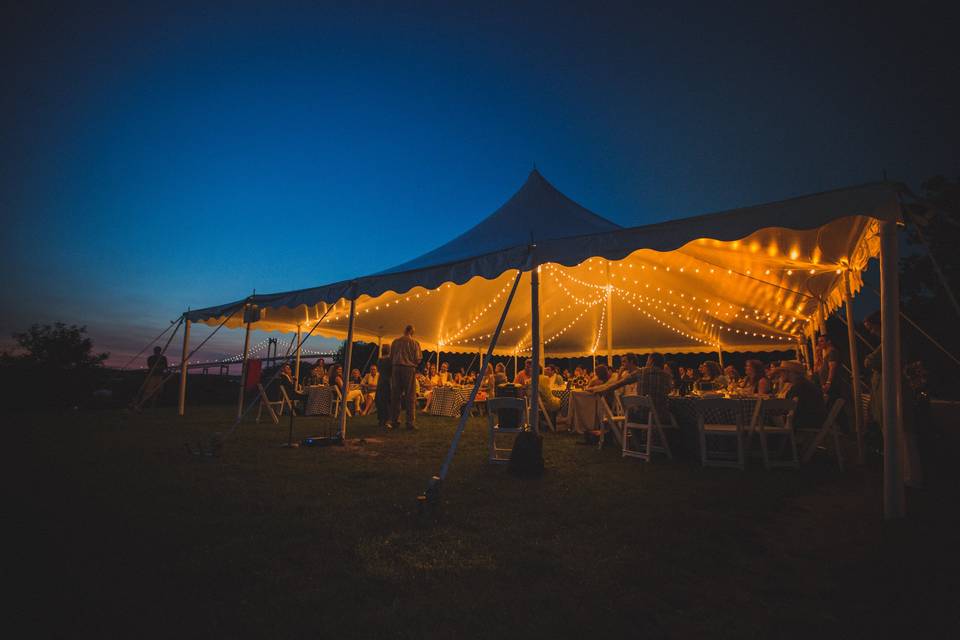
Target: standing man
157,364
405,357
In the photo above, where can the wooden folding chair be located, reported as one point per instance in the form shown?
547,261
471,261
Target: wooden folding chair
776,418
652,428
498,455
713,423
546,414
829,428
270,404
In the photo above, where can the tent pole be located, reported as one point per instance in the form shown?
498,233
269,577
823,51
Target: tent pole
541,359
515,357
182,396
296,366
243,368
465,412
347,358
720,355
535,371
609,319
893,492
854,367
802,352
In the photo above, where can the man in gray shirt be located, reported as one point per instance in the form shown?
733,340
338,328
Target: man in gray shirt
405,357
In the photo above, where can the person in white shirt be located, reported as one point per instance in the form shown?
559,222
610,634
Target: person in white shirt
369,388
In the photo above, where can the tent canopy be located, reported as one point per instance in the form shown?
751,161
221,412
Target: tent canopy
751,279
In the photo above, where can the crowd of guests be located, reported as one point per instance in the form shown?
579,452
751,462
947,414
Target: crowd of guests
399,378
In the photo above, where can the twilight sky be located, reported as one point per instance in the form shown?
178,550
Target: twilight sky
164,155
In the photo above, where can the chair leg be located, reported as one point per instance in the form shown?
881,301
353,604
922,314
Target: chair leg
836,447
703,447
666,444
259,410
764,449
741,456
793,448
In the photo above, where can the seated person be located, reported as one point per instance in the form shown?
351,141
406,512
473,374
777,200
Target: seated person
555,379
811,411
369,388
733,376
652,380
671,367
500,375
600,377
335,376
523,376
431,380
286,382
711,377
316,376
754,381
445,377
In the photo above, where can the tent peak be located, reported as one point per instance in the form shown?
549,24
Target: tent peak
536,213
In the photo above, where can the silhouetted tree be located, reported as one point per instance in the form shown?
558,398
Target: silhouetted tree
57,346
934,229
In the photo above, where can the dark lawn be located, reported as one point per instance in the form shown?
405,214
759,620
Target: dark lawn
128,534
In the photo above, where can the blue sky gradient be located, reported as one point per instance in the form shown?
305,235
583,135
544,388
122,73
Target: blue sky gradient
160,156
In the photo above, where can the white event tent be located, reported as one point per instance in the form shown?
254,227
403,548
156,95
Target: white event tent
760,278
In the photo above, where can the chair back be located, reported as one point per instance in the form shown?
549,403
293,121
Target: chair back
719,411
834,412
781,409
640,402
494,405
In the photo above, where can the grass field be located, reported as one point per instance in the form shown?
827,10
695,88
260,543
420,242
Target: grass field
125,533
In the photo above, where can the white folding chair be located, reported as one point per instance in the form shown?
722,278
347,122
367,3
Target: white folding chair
498,455
713,423
269,404
828,428
336,402
652,428
776,419
546,414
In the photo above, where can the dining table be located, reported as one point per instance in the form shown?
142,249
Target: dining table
319,400
448,400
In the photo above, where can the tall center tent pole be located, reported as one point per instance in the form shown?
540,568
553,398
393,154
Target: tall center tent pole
182,393
609,319
296,368
248,317
894,505
348,357
854,367
535,323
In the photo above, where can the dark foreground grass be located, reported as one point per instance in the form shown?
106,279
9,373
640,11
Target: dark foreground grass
125,533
